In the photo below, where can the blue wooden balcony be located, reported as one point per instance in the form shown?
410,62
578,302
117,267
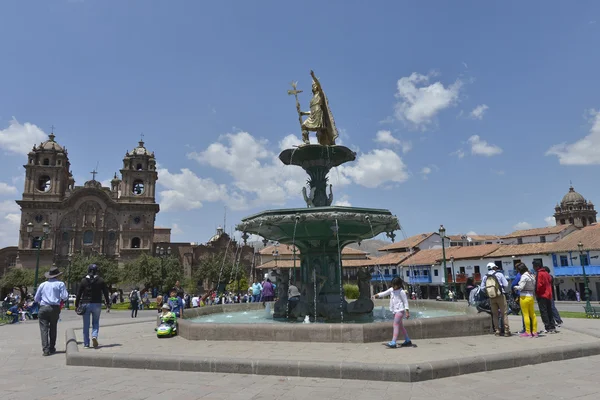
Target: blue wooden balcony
590,270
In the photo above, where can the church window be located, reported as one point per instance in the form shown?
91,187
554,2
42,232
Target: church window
137,220
562,221
12,261
138,187
46,161
136,243
88,237
44,183
36,241
112,236
65,236
139,167
583,221
39,218
571,221
58,162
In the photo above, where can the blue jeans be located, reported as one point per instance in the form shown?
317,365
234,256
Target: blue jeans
93,310
256,298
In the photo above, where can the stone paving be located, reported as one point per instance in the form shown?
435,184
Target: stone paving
138,338
25,374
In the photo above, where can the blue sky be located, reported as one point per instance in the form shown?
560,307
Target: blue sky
470,114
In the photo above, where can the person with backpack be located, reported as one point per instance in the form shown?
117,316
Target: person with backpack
494,285
134,299
89,303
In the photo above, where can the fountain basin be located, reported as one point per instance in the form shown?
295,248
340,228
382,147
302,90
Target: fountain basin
470,323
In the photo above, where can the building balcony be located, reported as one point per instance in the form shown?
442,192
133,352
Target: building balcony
590,270
477,277
461,278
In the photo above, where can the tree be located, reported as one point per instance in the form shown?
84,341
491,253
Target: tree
21,279
107,267
217,270
154,272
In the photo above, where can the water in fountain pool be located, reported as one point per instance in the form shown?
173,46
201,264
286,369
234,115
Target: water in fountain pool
263,317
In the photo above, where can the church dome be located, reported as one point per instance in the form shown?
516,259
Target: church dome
140,150
573,197
50,144
217,235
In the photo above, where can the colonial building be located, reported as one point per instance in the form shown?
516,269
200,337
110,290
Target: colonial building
574,209
65,219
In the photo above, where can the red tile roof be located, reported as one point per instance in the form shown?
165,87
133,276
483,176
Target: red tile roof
549,230
477,238
522,249
389,259
410,242
285,249
290,263
588,236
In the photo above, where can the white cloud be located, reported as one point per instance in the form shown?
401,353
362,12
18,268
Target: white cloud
458,153
20,138
550,221
259,177
471,233
425,171
386,137
289,142
6,189
375,168
482,148
186,191
420,101
10,219
343,202
585,151
522,225
176,230
478,111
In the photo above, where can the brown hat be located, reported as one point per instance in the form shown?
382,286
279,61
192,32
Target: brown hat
53,273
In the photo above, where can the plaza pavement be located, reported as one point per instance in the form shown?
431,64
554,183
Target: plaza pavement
25,374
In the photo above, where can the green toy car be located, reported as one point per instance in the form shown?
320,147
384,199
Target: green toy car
166,330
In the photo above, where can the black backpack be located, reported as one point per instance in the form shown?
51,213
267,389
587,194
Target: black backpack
134,296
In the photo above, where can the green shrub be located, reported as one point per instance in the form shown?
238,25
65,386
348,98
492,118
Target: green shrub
351,291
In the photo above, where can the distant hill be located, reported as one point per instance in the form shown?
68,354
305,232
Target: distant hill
370,246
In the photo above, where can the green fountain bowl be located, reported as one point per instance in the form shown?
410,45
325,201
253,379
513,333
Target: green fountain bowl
318,225
311,155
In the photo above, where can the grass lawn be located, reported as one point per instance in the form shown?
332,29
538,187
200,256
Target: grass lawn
567,314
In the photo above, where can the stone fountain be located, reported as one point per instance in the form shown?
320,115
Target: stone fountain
320,231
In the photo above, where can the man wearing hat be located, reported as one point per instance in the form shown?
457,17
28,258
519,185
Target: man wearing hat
498,303
49,296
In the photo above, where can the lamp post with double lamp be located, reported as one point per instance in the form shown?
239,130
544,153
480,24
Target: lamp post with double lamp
442,232
588,293
39,240
163,253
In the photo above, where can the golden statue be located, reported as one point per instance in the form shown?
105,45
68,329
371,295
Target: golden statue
320,120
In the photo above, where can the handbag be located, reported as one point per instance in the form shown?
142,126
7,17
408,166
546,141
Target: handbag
80,310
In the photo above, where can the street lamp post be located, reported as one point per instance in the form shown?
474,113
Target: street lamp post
588,305
453,276
442,232
46,231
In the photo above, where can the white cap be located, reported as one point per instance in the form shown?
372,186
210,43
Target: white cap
491,266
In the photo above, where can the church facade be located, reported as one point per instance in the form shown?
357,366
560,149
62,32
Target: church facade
117,221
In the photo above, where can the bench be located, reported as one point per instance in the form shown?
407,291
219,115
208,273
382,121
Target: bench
592,312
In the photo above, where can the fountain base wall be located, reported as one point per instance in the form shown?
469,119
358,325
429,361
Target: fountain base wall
427,328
